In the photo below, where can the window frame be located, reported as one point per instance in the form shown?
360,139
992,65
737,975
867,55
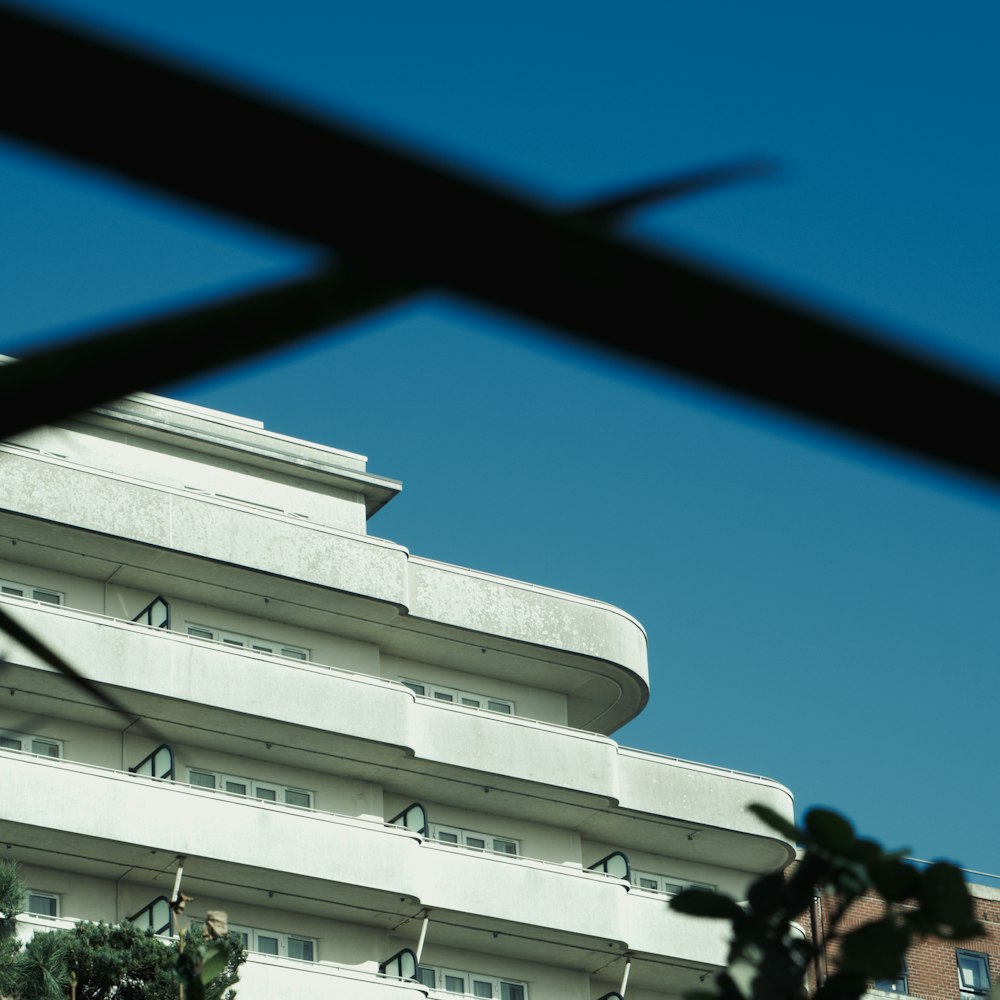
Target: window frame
220,778
462,835
29,592
469,979
31,739
984,961
455,696
252,934
42,894
663,880
898,984
254,644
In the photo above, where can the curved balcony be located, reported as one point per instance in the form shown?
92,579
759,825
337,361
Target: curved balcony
264,977
593,653
548,773
115,818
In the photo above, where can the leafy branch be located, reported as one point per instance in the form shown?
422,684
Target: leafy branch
769,959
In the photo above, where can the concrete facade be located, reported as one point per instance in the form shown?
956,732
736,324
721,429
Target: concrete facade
348,745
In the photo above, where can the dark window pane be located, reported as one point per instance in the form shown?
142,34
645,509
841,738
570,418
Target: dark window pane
300,948
45,747
267,945
46,906
973,972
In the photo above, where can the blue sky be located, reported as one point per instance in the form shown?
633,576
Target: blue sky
818,611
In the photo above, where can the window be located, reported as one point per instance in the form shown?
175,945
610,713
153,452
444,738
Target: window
474,841
470,983
266,791
897,985
42,904
301,948
670,885
274,943
248,642
42,746
466,698
973,973
30,593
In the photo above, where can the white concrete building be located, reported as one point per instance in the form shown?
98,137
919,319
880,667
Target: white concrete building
341,740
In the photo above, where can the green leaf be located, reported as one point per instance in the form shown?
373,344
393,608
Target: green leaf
842,986
702,903
769,895
214,962
775,821
849,878
868,852
743,973
830,830
895,879
875,950
945,897
701,995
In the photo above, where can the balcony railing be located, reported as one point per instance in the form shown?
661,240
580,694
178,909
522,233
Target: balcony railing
156,916
402,965
413,817
156,614
158,764
615,865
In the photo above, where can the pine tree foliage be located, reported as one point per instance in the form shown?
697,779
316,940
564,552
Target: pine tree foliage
42,971
13,897
109,961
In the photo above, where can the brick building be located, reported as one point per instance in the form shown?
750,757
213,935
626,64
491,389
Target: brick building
935,969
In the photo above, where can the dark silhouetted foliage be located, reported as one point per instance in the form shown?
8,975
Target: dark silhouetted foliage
768,957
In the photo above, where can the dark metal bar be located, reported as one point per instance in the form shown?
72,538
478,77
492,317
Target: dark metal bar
151,760
146,917
113,364
35,645
145,616
410,223
403,819
403,964
604,864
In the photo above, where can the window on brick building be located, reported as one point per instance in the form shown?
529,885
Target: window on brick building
897,985
973,973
